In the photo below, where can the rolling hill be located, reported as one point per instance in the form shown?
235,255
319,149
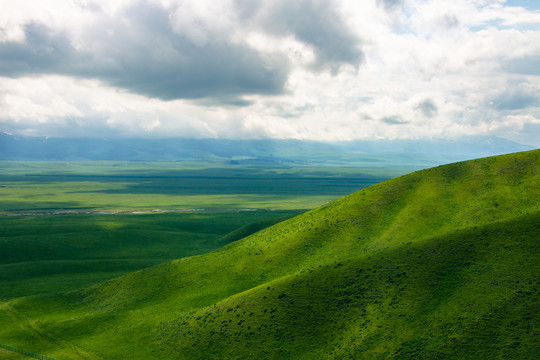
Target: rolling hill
438,264
59,253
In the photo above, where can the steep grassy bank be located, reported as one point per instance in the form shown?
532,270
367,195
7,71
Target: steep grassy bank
442,263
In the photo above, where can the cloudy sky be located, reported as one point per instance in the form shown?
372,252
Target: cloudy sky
304,69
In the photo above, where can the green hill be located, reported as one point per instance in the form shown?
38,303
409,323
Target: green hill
438,264
49,254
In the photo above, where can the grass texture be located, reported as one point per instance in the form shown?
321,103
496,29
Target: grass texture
46,187
48,254
437,264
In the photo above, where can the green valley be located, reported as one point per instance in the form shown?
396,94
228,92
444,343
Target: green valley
66,225
46,187
437,264
48,254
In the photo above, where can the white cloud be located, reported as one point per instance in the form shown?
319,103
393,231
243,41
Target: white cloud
432,68
202,20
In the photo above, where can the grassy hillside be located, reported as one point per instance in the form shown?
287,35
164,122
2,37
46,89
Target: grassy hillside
10,355
49,254
442,263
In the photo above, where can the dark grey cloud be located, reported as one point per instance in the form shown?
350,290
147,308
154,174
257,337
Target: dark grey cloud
144,56
428,108
450,21
313,22
390,4
517,96
394,120
43,51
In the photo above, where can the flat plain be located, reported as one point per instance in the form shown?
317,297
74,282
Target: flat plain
107,185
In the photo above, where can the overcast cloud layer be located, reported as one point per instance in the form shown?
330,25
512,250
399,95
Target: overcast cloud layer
305,69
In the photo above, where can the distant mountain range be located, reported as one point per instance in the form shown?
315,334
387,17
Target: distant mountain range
268,151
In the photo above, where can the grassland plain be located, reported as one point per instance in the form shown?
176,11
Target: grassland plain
59,186
441,263
51,253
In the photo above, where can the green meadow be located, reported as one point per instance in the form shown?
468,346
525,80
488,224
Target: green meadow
48,254
66,225
60,186
438,264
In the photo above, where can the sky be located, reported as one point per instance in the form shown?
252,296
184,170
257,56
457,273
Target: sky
326,70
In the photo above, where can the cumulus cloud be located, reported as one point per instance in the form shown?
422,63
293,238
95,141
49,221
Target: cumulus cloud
391,4
526,65
313,22
428,108
393,120
517,96
143,55
184,51
307,69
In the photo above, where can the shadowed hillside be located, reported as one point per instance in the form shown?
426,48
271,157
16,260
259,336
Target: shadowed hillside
442,263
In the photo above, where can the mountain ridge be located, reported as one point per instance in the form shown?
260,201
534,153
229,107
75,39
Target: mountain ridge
263,151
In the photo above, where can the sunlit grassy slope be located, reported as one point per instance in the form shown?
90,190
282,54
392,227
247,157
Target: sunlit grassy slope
442,263
10,355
